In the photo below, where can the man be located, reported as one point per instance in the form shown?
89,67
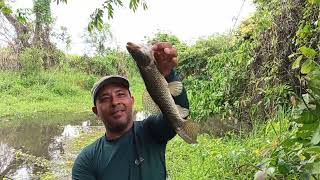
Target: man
128,150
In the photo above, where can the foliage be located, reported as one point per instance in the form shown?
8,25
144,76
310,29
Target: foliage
99,39
113,62
297,155
168,37
31,60
49,91
98,65
212,158
42,7
230,157
97,16
216,68
53,91
4,8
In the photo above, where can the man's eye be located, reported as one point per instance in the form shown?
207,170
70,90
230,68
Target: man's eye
121,94
105,98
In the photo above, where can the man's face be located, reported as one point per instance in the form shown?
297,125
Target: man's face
114,106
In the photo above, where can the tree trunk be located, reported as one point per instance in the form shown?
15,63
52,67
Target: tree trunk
22,31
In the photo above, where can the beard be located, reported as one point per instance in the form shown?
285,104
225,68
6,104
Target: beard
117,127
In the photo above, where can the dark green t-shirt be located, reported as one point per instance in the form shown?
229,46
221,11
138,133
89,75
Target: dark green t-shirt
118,159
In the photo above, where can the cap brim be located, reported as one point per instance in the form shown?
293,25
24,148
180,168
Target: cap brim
106,81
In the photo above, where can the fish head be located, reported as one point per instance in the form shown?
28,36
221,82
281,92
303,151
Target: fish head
142,54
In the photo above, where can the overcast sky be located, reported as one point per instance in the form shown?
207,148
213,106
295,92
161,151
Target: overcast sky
186,19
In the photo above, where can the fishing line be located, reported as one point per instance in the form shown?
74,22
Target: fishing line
237,18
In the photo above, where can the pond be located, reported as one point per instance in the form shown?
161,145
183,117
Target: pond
41,143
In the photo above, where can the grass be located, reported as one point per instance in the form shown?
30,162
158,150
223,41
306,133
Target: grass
64,95
230,157
137,88
51,93
46,92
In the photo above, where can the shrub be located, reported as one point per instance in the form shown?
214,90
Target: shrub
31,60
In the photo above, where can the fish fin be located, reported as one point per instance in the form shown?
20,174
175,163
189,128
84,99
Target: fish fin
148,104
184,112
175,88
188,132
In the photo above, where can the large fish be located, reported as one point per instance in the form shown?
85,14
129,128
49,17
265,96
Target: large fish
157,87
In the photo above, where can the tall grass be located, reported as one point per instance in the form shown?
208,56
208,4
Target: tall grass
52,92
230,157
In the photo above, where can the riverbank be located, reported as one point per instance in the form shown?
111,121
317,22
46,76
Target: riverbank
53,93
232,156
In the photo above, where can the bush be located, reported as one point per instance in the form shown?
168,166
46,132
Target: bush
31,60
92,65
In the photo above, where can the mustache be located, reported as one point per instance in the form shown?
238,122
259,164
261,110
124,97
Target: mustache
118,108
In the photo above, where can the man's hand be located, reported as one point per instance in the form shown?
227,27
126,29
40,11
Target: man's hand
166,57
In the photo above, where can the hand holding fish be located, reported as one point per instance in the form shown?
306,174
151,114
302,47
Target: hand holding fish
166,57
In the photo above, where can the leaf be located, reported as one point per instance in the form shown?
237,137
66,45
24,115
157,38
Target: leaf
304,135
308,66
316,137
292,55
309,52
312,2
145,6
316,168
314,82
315,149
58,1
306,118
2,4
283,167
296,63
6,10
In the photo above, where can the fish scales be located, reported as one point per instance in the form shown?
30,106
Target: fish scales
157,87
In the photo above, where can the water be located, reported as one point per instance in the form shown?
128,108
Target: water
36,142
43,142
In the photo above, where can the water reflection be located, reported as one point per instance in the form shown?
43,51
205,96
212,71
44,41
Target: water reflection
37,140
139,116
23,173
6,157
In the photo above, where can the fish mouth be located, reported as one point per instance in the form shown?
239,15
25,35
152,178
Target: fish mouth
132,46
139,54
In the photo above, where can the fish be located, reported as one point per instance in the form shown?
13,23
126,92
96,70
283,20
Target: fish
151,107
159,91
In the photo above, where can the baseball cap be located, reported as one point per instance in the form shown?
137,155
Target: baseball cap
113,79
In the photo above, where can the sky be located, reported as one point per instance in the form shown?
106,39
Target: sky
188,20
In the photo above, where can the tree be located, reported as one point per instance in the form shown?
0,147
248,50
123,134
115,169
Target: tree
30,31
97,16
98,39
42,11
19,24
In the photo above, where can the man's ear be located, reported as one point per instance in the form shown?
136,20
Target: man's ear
94,110
132,97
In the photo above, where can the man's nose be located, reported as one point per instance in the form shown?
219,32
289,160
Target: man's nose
114,101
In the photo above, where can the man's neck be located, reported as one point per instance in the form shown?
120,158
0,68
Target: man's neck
111,135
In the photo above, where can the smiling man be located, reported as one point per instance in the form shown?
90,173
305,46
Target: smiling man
129,149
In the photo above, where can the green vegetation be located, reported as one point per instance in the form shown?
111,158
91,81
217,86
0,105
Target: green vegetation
63,89
232,156
258,89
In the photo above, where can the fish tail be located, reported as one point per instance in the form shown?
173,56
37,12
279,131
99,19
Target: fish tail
189,132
